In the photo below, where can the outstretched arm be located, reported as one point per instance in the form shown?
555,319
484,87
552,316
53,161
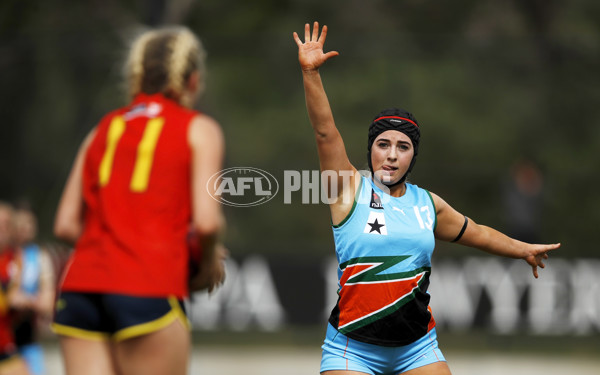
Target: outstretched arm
450,223
330,145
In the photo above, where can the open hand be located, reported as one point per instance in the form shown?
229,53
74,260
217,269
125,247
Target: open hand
536,256
310,53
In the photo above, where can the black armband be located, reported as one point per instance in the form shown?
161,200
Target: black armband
462,230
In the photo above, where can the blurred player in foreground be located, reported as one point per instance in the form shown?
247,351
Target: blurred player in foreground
10,362
138,181
384,231
33,289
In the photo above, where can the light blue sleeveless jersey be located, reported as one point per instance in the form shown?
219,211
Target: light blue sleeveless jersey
29,348
31,269
384,250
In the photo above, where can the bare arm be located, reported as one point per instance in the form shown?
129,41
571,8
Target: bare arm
207,144
330,145
68,222
449,225
206,141
44,304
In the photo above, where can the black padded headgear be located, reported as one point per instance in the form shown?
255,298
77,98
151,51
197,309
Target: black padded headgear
395,119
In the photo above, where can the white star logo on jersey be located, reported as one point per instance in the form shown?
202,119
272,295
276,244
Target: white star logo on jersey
376,223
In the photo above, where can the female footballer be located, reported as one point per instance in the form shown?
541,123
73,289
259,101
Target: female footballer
137,183
384,239
11,362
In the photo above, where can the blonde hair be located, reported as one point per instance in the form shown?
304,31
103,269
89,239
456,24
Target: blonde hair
162,61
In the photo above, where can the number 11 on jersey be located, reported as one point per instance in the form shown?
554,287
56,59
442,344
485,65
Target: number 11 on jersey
144,157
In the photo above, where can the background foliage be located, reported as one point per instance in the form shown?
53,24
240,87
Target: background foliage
490,81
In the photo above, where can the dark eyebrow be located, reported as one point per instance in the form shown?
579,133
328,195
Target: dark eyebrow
387,140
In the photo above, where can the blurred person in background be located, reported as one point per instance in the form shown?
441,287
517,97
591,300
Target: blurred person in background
10,361
384,231
138,181
33,290
523,200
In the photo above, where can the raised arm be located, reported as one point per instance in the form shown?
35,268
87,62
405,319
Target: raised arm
330,145
453,226
332,153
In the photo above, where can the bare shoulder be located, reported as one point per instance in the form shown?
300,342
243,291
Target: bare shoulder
88,138
204,124
438,202
346,200
204,130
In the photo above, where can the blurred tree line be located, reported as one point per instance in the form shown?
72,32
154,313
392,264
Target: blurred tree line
491,82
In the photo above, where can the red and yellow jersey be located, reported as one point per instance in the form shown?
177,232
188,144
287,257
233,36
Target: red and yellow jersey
136,189
7,341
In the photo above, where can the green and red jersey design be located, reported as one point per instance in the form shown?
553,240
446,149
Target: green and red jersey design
384,249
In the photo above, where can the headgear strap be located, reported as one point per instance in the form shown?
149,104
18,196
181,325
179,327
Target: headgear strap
396,117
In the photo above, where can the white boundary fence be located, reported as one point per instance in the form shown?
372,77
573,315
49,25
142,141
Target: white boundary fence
496,294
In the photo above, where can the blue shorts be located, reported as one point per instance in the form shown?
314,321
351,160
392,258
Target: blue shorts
98,316
343,353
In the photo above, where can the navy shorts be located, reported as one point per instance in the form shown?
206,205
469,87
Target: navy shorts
98,316
343,353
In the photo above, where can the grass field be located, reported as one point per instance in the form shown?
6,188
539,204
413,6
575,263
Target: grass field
298,353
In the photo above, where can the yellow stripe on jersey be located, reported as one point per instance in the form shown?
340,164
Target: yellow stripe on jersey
115,132
145,155
3,303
